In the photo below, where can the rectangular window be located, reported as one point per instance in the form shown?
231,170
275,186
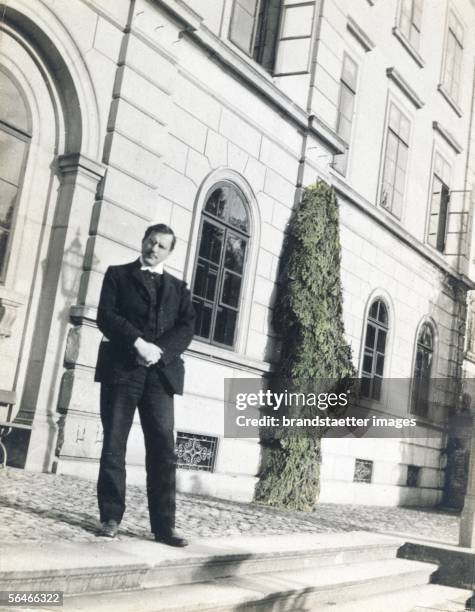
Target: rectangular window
363,471
410,21
413,476
439,204
453,58
195,451
345,109
254,27
395,162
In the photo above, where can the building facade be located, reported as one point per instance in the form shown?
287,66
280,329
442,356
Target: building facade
211,115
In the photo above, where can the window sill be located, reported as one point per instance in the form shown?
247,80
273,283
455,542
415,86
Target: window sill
409,48
227,357
448,98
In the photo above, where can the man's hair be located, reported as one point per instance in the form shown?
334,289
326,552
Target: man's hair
160,228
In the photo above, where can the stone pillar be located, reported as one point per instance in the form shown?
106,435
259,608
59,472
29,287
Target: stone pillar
64,266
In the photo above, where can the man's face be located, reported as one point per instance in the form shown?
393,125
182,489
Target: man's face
156,248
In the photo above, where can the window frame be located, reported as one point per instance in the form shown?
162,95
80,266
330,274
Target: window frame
389,131
260,17
445,182
207,217
379,327
411,22
426,322
24,136
451,33
344,157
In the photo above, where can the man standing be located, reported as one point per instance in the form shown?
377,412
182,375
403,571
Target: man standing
147,318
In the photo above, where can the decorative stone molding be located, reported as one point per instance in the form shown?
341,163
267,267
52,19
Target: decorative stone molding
76,162
448,98
447,136
409,48
404,86
8,312
360,35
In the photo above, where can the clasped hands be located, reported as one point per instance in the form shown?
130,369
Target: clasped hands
148,353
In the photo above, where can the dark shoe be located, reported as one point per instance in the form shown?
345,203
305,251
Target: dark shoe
109,529
171,538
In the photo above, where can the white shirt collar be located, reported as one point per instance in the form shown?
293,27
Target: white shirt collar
158,269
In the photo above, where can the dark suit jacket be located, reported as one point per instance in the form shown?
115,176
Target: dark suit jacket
122,317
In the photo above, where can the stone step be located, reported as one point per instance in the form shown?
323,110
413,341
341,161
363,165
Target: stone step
132,564
425,598
316,588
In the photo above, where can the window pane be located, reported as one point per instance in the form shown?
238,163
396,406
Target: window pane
12,108
404,129
248,5
225,326
426,336
373,311
7,203
397,204
349,73
365,386
379,364
203,318
417,14
226,203
211,242
399,180
414,37
377,383
370,336
235,252
205,281
347,98
391,146
402,156
344,128
236,214
12,151
368,363
242,27
394,118
381,341
3,250
216,202
389,171
231,289
382,313
406,13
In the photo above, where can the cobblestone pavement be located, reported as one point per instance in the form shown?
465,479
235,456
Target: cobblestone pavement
47,508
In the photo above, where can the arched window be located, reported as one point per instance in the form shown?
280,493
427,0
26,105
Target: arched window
219,267
14,140
422,370
374,350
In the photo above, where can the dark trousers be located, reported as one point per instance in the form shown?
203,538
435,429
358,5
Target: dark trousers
145,391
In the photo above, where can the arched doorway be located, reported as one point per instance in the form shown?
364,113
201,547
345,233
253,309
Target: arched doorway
42,124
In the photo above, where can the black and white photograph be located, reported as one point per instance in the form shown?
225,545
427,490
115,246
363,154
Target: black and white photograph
237,305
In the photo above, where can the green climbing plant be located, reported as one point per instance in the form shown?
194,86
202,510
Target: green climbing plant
309,319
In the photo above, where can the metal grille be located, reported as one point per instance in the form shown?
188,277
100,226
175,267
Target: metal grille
195,451
413,472
363,470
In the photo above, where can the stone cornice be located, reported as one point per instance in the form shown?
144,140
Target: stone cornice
404,86
350,195
76,163
249,72
447,136
409,48
360,35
